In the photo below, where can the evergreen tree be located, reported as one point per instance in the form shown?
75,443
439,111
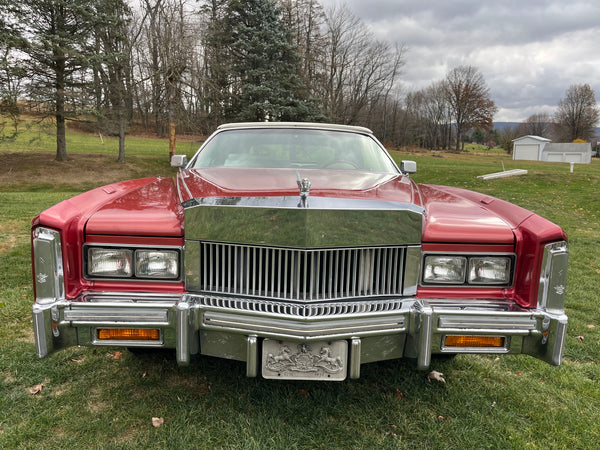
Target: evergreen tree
56,37
264,66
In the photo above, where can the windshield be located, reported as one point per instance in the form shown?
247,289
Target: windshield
294,148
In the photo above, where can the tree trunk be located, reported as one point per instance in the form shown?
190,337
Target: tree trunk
61,140
171,139
122,128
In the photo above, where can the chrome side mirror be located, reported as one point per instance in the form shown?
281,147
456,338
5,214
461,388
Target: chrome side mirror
179,161
408,167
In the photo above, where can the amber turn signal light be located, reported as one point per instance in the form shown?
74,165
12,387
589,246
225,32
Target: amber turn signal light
474,341
128,334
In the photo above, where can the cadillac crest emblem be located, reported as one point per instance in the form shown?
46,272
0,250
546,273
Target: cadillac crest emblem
304,362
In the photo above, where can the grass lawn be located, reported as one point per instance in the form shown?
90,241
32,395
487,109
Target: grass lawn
106,397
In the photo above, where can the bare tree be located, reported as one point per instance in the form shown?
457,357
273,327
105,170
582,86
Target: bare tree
536,125
577,114
469,100
358,69
506,137
12,78
305,19
164,56
429,116
111,69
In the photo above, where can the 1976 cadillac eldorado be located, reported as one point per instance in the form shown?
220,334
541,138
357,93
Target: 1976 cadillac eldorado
303,250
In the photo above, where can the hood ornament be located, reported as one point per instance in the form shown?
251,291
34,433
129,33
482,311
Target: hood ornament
304,186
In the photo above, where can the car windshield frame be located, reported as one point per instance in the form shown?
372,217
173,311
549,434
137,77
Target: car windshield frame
293,148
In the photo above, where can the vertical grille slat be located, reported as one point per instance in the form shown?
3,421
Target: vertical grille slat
298,274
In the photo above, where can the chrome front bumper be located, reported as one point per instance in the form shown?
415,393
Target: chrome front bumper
233,327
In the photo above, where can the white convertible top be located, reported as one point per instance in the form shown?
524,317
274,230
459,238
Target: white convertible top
313,125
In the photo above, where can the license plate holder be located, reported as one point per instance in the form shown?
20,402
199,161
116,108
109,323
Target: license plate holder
319,360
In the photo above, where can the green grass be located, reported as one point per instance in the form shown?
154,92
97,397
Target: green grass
98,397
41,137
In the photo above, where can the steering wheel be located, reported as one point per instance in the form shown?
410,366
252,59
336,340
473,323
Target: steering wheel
341,162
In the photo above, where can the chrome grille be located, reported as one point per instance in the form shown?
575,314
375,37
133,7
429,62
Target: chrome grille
299,310
294,274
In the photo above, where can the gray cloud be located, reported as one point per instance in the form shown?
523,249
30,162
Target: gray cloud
529,51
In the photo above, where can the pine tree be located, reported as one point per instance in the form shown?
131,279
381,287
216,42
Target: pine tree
57,37
264,66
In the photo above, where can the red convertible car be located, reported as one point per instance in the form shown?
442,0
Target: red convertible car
302,250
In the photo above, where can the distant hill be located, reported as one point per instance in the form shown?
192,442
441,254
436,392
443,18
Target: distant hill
502,125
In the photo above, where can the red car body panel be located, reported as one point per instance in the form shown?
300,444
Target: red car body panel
134,208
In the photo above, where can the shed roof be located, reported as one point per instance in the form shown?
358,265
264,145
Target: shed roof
530,136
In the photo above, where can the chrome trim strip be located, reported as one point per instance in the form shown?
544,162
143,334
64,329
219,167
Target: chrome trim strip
252,356
559,341
182,343
39,331
473,321
303,329
424,342
354,366
89,315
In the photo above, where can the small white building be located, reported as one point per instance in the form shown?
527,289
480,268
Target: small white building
535,148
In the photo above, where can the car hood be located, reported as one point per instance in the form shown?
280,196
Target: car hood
451,215
147,207
458,215
249,182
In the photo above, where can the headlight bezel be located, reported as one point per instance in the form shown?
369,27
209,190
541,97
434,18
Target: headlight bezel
470,260
135,251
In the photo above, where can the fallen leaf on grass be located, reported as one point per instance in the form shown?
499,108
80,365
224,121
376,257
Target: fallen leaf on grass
437,376
157,421
399,394
36,389
444,419
304,392
591,326
116,355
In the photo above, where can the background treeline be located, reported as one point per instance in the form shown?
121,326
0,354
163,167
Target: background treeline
185,66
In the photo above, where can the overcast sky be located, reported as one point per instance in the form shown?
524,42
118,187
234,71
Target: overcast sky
529,51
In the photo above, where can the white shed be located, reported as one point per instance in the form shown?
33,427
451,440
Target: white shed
572,152
529,147
535,148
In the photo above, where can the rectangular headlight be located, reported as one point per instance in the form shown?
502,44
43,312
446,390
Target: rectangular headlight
489,270
105,262
445,269
157,264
